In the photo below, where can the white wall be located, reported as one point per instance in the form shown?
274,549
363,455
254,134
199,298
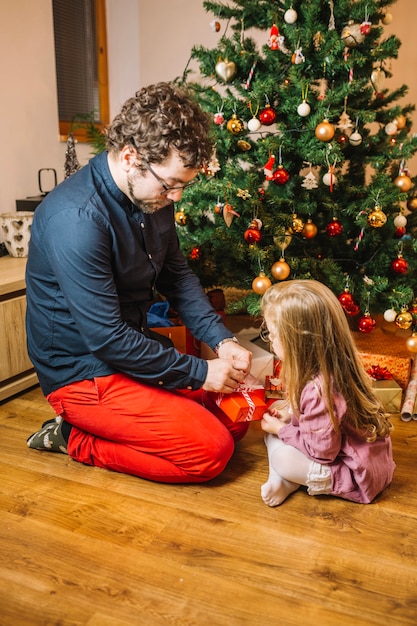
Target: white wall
148,42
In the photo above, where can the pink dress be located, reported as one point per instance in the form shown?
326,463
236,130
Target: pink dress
359,470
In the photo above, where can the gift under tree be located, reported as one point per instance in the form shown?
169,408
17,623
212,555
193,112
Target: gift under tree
310,176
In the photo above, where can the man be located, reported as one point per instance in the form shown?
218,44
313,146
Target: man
102,244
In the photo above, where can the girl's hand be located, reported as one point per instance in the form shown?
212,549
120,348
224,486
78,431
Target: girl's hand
271,422
281,409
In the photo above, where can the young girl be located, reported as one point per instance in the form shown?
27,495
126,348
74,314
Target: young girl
335,438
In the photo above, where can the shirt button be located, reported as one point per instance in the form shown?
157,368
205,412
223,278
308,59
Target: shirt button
150,256
142,225
160,382
189,387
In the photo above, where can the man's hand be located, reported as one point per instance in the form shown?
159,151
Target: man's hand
237,353
224,375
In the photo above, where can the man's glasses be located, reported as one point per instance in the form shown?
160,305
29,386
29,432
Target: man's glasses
166,188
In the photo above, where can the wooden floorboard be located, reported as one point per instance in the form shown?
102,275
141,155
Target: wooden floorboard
81,546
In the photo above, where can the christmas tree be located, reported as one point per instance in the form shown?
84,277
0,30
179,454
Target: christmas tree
309,178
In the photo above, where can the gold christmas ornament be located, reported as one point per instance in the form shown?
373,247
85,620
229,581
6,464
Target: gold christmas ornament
401,121
352,35
226,70
283,240
386,18
235,125
309,230
403,182
325,131
378,77
244,145
404,320
297,224
280,270
377,217
181,218
412,203
411,343
261,283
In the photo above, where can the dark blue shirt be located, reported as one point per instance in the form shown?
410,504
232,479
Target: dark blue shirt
95,262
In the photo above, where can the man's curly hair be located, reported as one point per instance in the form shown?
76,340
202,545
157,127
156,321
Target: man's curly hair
161,118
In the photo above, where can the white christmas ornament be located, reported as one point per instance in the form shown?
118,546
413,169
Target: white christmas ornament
391,128
290,16
303,109
390,315
355,139
400,221
329,179
254,124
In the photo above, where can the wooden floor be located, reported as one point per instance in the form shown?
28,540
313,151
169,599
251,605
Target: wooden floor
85,546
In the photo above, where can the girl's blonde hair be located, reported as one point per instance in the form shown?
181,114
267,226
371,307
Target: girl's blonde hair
315,337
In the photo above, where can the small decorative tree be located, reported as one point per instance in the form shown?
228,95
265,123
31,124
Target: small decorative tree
71,160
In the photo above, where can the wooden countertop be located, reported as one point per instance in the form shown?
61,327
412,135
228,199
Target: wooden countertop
12,274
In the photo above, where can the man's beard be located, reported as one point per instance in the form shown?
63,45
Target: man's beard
150,206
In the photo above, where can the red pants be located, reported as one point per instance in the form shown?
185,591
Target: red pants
165,436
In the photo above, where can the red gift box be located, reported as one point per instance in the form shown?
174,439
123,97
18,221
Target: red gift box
245,405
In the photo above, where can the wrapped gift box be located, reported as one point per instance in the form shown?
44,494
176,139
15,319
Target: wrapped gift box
390,393
181,337
398,367
246,405
274,388
262,358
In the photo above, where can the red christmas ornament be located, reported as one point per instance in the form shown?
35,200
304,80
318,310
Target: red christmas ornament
400,232
366,323
268,115
334,228
280,176
346,299
399,265
342,139
352,310
252,235
218,118
348,303
195,253
365,28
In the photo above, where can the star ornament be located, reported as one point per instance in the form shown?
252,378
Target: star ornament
243,193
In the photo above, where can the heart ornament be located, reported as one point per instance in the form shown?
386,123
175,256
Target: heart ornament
226,70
